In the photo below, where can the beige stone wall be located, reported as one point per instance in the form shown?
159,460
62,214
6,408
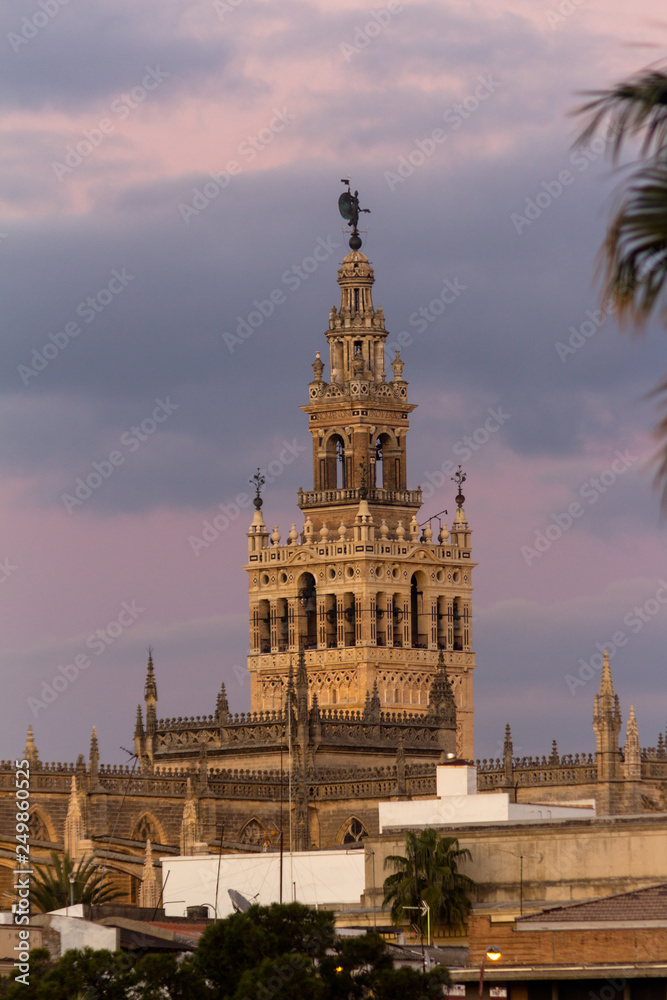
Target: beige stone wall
562,861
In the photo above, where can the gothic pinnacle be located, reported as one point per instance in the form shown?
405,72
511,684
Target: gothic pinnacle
139,727
150,689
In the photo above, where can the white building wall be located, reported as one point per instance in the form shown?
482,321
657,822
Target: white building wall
76,933
313,877
458,803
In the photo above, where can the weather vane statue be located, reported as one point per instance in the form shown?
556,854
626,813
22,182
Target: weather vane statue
257,481
459,478
348,206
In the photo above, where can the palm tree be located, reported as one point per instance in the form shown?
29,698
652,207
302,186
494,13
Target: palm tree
633,257
51,888
429,873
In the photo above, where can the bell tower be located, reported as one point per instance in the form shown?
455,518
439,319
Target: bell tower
364,590
358,420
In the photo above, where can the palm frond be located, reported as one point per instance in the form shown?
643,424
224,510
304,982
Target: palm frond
633,258
51,889
636,106
660,432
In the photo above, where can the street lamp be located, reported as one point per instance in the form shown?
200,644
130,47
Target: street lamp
493,954
425,911
71,878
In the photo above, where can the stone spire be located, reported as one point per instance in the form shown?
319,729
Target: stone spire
149,891
258,533
150,698
375,705
632,752
607,725
74,829
222,706
31,753
190,838
290,694
441,696
508,754
315,723
441,703
94,758
139,735
150,688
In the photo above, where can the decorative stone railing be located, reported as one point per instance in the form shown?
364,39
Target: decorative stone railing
315,498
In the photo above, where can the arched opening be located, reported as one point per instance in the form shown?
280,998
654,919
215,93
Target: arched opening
352,831
264,615
382,467
282,624
335,465
349,619
330,621
457,618
254,832
397,620
148,828
443,623
308,609
418,623
381,619
39,827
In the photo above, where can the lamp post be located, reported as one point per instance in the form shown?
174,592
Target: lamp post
493,954
372,856
425,911
71,879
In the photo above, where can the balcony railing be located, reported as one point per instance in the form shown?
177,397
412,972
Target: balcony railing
316,498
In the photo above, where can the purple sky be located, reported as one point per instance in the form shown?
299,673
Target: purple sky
135,267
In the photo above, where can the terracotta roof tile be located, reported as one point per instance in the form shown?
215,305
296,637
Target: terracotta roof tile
641,904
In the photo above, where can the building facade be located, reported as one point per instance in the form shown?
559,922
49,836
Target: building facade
361,663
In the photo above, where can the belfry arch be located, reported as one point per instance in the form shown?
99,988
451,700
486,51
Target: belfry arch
335,463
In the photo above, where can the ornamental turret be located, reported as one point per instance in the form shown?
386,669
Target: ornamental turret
607,726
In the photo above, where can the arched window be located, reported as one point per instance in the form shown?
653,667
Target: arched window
458,622
147,829
254,832
381,466
264,616
354,831
418,623
37,827
308,611
336,475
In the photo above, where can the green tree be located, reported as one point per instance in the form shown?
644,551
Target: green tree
633,257
281,952
428,872
51,890
242,941
269,953
88,975
163,977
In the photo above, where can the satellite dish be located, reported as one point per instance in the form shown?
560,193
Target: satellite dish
239,902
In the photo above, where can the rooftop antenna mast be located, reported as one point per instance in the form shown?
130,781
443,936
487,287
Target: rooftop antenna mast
348,206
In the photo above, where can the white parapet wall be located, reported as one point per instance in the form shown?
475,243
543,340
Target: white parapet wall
457,803
312,877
